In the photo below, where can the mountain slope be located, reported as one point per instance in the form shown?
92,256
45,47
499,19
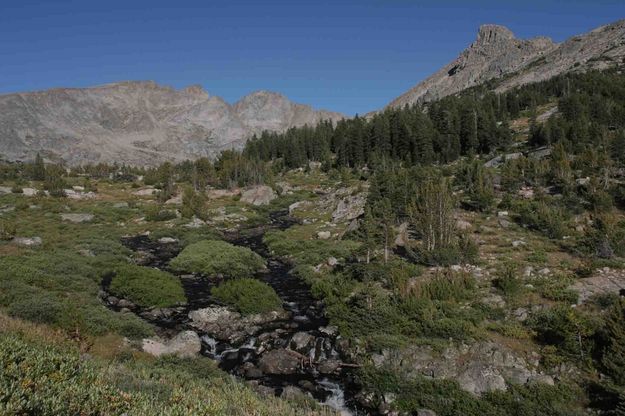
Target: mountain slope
139,123
497,53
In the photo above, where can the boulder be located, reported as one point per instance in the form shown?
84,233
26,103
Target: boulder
350,208
258,195
463,225
478,368
605,280
195,223
280,362
77,195
250,371
29,191
77,218
167,240
329,366
27,241
292,393
324,235
301,342
185,344
147,191
401,238
298,205
226,325
176,200
119,205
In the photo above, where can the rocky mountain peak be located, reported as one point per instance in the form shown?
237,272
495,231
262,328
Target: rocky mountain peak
196,90
497,53
493,34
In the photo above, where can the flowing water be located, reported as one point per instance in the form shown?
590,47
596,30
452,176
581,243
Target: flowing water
306,315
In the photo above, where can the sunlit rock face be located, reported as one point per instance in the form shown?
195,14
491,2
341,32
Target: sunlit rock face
139,123
497,53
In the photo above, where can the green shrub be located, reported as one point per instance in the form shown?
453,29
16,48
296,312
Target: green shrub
547,218
446,286
159,214
38,308
613,339
147,287
40,379
557,288
7,230
508,282
510,329
305,251
212,257
248,296
565,328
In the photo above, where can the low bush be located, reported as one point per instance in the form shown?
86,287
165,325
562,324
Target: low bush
38,307
565,328
508,282
248,296
446,286
211,257
42,379
7,230
547,218
306,251
159,214
146,287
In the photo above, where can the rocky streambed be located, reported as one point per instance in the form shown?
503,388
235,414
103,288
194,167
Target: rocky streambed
287,353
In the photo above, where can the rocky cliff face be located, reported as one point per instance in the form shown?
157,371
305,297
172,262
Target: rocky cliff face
497,53
139,123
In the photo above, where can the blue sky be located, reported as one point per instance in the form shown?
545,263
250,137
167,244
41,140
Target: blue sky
348,56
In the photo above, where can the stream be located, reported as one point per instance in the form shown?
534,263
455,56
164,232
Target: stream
322,370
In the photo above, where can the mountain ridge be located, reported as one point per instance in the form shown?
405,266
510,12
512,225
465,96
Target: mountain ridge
140,122
497,53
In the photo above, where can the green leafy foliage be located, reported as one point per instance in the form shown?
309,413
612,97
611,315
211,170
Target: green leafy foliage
146,287
211,257
248,296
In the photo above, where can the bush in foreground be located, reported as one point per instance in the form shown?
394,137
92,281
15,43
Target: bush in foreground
248,296
55,380
212,257
147,287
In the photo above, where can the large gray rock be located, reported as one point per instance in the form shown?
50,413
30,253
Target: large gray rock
350,207
185,344
140,122
604,281
280,362
478,368
301,342
77,218
224,324
259,195
27,241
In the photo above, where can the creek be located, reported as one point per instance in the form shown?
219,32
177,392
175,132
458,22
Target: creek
323,369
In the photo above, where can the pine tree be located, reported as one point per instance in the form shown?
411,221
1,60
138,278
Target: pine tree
39,169
613,358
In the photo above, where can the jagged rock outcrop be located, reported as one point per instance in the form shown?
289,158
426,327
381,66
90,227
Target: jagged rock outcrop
139,122
478,368
497,53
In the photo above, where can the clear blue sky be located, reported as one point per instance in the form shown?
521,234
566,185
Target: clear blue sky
349,56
